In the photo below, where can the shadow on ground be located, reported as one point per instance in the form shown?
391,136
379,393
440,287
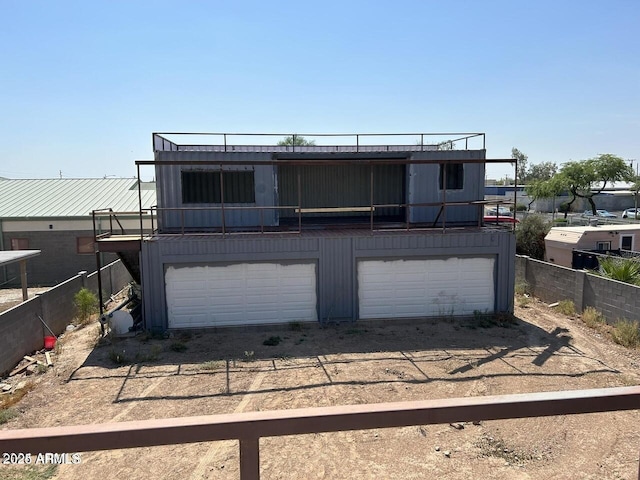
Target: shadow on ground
462,350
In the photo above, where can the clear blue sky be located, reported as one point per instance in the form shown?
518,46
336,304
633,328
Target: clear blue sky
84,84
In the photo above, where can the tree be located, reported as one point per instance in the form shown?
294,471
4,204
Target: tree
541,171
296,140
521,167
446,145
587,178
530,234
549,188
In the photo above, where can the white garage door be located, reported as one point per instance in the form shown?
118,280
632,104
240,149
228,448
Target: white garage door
424,288
240,294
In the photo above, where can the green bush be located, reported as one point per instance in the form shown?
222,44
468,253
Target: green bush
86,304
178,347
118,357
530,234
7,414
521,287
592,317
626,333
521,207
566,307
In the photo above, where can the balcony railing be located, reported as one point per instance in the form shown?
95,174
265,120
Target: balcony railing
184,227
248,428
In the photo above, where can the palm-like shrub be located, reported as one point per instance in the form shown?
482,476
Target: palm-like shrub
622,269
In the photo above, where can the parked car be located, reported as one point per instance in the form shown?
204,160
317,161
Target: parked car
500,219
499,211
631,213
600,213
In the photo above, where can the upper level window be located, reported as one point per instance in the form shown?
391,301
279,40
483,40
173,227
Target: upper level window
204,187
455,176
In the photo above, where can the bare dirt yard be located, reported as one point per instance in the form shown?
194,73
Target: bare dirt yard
10,297
233,371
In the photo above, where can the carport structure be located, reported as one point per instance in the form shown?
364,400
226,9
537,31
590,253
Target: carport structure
11,256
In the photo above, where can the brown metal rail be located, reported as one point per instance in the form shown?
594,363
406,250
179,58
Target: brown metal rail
248,428
226,230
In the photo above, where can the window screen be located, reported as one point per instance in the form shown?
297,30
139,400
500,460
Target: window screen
455,176
204,187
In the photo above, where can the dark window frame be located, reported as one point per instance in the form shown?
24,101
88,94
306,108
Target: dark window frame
455,176
203,186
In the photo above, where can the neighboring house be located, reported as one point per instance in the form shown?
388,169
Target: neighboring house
260,234
54,216
560,242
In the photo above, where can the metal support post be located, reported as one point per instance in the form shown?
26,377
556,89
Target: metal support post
249,458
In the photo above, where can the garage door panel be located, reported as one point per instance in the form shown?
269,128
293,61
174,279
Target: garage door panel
240,294
412,288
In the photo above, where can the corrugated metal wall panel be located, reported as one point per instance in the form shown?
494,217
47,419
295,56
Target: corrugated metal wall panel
204,245
341,186
169,191
336,279
325,186
424,188
336,256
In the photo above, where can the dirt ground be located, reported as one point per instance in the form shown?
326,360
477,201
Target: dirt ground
10,297
232,371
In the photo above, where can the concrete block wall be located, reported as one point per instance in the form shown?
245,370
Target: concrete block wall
547,284
614,299
552,283
21,332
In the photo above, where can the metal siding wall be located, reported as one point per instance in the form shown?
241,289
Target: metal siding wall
506,274
337,258
153,292
424,187
336,279
339,186
169,190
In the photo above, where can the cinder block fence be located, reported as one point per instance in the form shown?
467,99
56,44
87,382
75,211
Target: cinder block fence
21,332
552,283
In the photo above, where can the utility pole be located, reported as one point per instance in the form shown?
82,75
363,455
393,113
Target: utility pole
635,192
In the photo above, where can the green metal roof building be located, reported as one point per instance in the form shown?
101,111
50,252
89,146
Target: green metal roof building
54,216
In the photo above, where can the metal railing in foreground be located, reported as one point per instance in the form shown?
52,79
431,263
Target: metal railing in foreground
248,428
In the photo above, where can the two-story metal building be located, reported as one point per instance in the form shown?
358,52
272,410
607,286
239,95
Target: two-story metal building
259,234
